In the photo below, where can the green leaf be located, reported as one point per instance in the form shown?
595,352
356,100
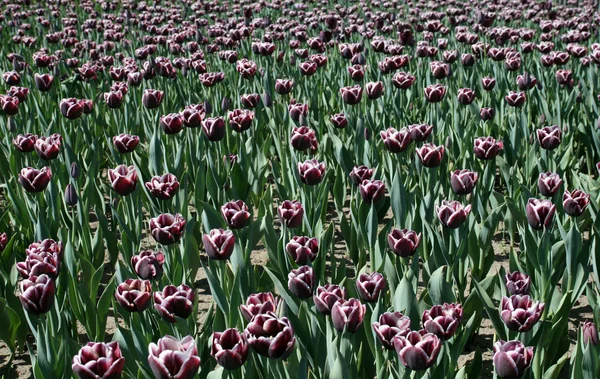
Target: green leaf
491,309
440,291
216,290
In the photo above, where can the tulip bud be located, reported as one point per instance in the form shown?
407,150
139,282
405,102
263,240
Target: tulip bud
99,360
417,350
229,348
487,114
3,241
575,203
43,82
520,313
511,358
463,181
267,99
74,172
37,294
113,99
174,302
70,195
347,314
369,287
219,244
590,334
301,282
225,104
173,358
207,107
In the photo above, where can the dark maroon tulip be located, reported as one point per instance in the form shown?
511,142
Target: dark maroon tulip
11,78
564,77
302,249
435,93
390,325
291,213
417,350
174,302
171,123
356,72
467,59
271,336
240,119
246,68
250,100
3,241
430,155
442,320
125,143
70,195
574,203
403,80
236,214
25,143
259,303
284,86
48,245
134,294
123,179
9,105
517,283
229,348
439,70
308,68
99,360
452,214
113,99
48,148
539,213
520,313
372,191
88,106
37,294
347,314
327,296
311,171
304,138
40,260
515,99
511,358
214,128
403,242
219,244
296,110
339,120
374,90
209,79
163,187
549,183
34,180
488,83
71,108
148,264
526,82
463,181
549,137
487,147
301,282
193,115
360,174
487,114
590,334
351,95
152,98
167,229
369,287
18,92
74,171
465,96
171,358
420,132
396,141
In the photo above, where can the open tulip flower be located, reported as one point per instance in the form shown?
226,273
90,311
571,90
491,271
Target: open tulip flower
452,214
390,325
549,137
174,302
259,303
302,249
549,183
229,348
372,191
219,244
442,320
396,141
326,296
125,143
575,203
417,350
311,172
369,287
348,314
520,313
271,336
236,214
512,358
123,179
173,358
463,181
163,187
148,265
167,229
134,294
430,155
37,294
99,360
517,283
34,180
301,282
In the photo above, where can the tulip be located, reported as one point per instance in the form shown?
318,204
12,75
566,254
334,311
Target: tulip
517,283
37,294
249,100
351,95
246,68
339,120
3,241
574,203
549,137
327,296
284,86
303,138
219,244
71,108
40,261
390,325
403,80
403,242
347,314
70,195
171,123
487,114
435,93
360,174
134,294
9,104
125,143
173,358
520,313
515,99
43,82
48,246
148,265
214,128
465,96
511,358
123,179
174,302
307,68
296,110
439,70
549,183
302,250
291,213
235,214
396,141
311,171
99,360
229,348
48,148
74,172
539,213
209,79
420,132
259,303
271,336
442,320
430,155
374,90
590,334
88,106
152,98
356,72
372,191
11,78
369,287
193,115
301,282
463,181
18,92
452,214
163,187
417,350
113,99
467,60
487,147
25,143
167,229
34,180
526,82
240,119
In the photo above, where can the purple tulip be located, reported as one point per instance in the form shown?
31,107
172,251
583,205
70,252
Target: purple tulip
520,313
301,282
351,95
171,358
372,191
152,98
163,187
302,249
463,181
420,132
443,320
99,360
37,294
48,148
125,143
303,138
40,261
113,99
214,128
452,214
259,303
465,96
219,244
390,325
236,214
148,264
327,296
229,348
71,108
403,242
43,82
9,105
284,86
360,174
374,90
291,213
487,114
271,336
347,314
240,119
311,171
590,334
339,120
396,141
517,283
167,229
515,99
511,358
193,115
430,155
488,83
417,350
435,93
575,203
33,180
539,213
487,147
3,241
134,294
174,302
171,123
25,143
549,137
403,80
549,183
123,179
296,110
369,287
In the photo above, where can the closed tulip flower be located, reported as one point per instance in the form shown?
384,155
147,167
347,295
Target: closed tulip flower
219,244
311,171
236,214
193,115
123,179
390,325
303,138
301,282
11,78
163,187
356,72
439,70
396,141
249,100
465,96
520,313
88,106
296,110
173,358
167,229
374,90
564,77
486,148
515,99
526,82
369,287
360,174
174,302
214,128
302,249
339,120
33,180
372,191
229,348
463,181
488,83
435,93
271,336
9,105
25,143
240,119
48,148
452,214
420,132
307,68
348,314
171,123
351,95
152,98
403,80
284,86
3,241
539,213
70,195
512,358
148,265
259,303
574,203
430,155
18,92
99,360
487,114
37,294
326,296
125,143
291,213
549,183
403,242
590,334
467,60
443,320
417,350
517,283
43,82
549,137
113,99
134,294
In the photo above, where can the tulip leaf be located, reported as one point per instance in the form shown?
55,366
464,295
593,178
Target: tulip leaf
211,219
156,154
283,292
440,291
554,371
491,310
339,369
215,289
405,301
217,373
10,319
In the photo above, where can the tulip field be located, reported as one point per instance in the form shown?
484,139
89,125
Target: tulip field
300,190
